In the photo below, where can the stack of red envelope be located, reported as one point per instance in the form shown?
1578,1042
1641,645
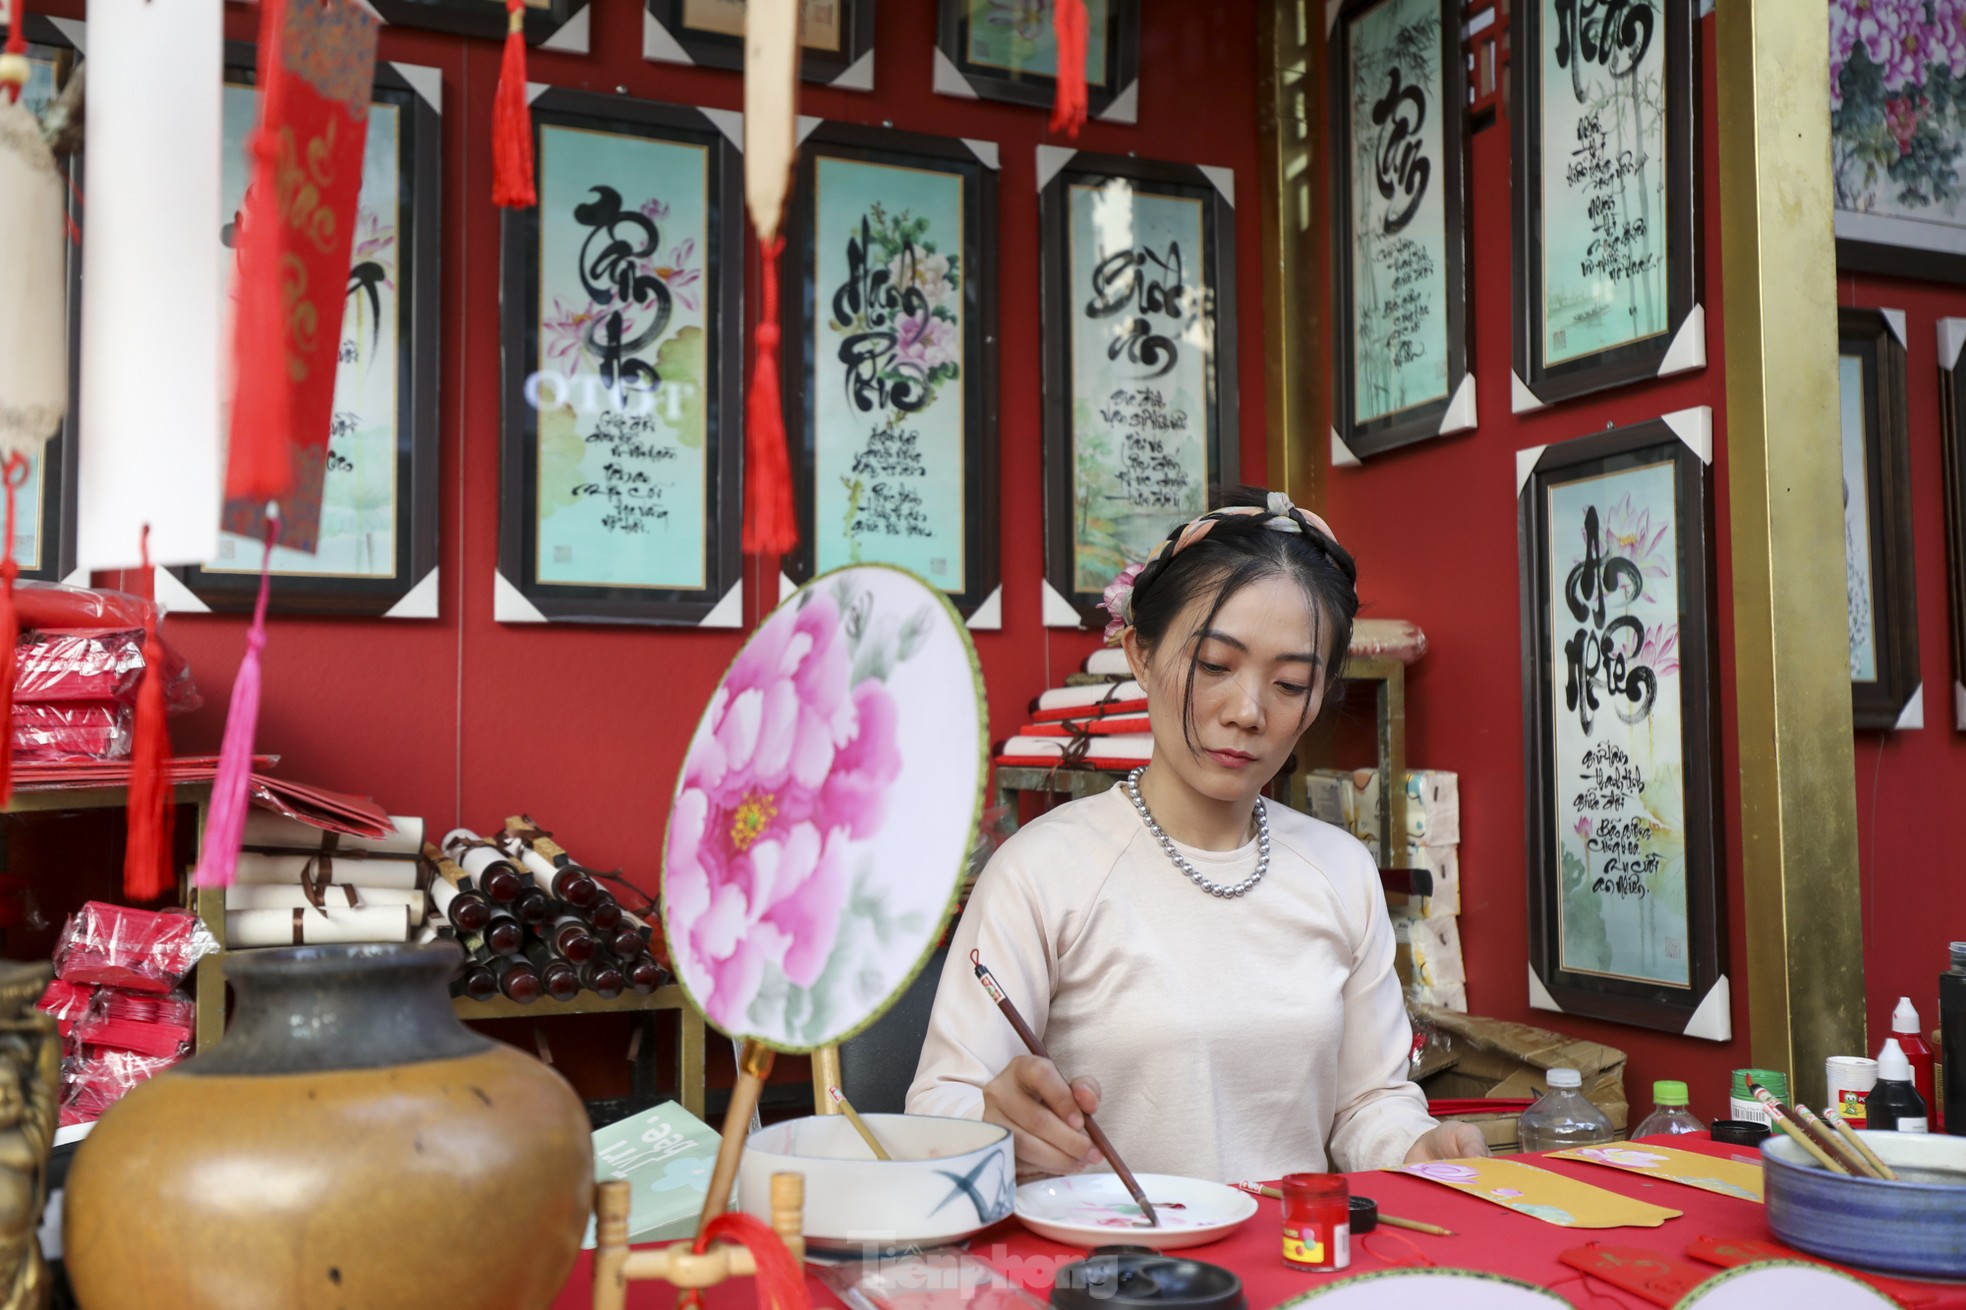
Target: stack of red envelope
80,660
1099,725
114,999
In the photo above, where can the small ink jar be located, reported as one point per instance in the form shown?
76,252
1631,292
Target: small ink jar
1317,1225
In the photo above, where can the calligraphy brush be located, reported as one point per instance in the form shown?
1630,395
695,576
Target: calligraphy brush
1875,1161
1036,1047
1779,1115
859,1124
1844,1151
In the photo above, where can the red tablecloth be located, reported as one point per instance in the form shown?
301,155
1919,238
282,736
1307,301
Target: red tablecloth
1487,1237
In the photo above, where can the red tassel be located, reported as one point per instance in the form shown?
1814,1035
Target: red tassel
16,45
14,474
226,822
771,523
147,857
512,180
1074,33
781,1283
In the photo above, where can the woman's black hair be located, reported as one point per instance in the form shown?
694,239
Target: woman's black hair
1239,550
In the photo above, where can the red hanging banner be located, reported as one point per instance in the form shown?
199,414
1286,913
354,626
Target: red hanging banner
316,73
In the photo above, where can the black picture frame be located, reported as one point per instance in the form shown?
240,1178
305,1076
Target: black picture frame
1114,99
670,38
1874,338
805,311
1681,345
1952,417
410,590
1066,603
1682,441
1454,409
59,41
485,19
521,596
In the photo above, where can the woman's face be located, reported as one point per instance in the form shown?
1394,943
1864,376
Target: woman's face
1259,679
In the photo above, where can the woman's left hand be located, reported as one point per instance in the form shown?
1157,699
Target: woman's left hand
1448,1141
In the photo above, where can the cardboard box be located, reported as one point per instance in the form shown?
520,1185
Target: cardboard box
1494,1058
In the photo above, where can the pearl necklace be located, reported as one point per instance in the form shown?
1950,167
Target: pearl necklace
1181,861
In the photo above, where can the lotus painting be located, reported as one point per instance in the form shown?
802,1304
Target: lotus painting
825,810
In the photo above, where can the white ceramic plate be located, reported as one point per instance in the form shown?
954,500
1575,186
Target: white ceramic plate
1096,1210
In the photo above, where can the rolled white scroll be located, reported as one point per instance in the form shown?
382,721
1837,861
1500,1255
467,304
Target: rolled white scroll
387,872
265,828
336,896
309,927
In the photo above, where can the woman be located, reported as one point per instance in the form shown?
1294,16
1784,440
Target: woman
1216,972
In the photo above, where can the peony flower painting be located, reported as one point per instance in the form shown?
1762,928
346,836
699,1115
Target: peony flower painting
1898,129
825,810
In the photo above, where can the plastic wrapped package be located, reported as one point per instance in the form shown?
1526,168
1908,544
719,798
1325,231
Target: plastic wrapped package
141,950
134,1021
58,605
67,1002
924,1280
94,664
96,1078
73,730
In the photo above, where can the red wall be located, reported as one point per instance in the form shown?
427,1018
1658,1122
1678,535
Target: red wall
464,720
1434,528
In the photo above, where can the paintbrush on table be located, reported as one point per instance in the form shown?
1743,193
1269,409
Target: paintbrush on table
1036,1047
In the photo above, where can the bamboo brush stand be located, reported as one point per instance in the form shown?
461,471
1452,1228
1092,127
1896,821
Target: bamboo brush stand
616,1266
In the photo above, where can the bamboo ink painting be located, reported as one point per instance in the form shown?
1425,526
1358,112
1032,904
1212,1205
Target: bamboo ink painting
825,810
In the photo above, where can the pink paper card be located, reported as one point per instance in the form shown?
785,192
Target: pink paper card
1706,1172
1541,1194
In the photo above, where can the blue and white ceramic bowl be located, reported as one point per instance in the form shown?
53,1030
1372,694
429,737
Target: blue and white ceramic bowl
1914,1226
949,1179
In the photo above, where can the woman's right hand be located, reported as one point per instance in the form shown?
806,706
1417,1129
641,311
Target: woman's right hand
1045,1115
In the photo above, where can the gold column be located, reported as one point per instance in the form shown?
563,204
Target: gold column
1290,107
1798,816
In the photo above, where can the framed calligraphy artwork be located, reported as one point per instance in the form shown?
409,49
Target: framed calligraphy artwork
836,37
44,506
1619,723
554,24
1952,410
893,245
376,552
622,312
1885,689
1399,247
1605,110
1897,115
1008,50
1137,271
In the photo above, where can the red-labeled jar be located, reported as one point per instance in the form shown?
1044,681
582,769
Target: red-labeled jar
1317,1222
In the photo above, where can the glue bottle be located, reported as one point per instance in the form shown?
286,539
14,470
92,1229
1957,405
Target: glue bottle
1894,1104
1918,1051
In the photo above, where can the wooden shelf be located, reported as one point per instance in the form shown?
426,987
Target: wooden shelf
691,1032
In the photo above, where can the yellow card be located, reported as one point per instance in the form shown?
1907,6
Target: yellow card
1706,1172
1540,1194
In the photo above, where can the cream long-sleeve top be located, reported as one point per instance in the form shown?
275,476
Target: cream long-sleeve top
1232,1039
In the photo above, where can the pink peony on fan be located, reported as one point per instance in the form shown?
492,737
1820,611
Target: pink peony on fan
823,820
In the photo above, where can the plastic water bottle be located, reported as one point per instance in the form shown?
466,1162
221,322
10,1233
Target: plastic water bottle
1563,1118
1669,1113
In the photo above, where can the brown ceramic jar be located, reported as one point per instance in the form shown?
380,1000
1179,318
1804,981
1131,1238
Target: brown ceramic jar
348,1144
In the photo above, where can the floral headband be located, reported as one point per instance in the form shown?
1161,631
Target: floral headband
1280,516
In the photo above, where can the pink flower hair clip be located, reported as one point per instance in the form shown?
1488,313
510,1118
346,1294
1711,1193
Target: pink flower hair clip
1117,600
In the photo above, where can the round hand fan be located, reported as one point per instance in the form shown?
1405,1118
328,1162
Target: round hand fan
822,820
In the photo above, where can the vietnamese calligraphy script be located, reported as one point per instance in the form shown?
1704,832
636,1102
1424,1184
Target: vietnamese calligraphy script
880,499
1403,168
1144,284
1151,471
635,304
1602,654
892,314
1614,35
1611,781
634,478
